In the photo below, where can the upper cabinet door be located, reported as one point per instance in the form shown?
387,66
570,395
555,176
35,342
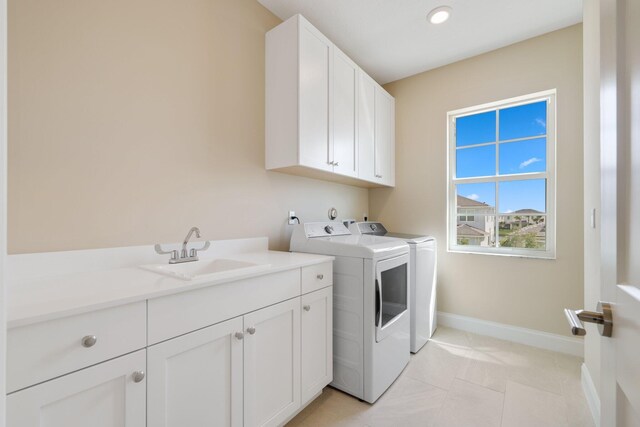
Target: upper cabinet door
272,364
314,120
196,379
384,137
366,127
104,395
344,114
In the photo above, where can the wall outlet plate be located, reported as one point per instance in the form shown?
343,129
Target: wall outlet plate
290,219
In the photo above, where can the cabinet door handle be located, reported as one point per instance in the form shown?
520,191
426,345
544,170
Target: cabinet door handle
239,335
251,330
320,276
138,376
306,308
89,341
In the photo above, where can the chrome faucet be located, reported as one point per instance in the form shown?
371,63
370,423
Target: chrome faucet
185,256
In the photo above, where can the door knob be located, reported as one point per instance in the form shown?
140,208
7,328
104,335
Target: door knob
602,318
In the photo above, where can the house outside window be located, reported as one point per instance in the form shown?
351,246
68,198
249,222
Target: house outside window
501,193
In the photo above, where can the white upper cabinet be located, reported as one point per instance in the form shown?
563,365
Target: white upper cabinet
385,142
343,151
312,103
376,132
314,99
366,127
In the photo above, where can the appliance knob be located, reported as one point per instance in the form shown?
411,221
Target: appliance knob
328,229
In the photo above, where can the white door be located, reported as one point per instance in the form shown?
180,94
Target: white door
196,379
366,127
314,99
620,183
104,395
317,342
345,86
272,364
384,154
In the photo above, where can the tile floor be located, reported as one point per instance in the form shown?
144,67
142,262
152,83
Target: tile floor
464,380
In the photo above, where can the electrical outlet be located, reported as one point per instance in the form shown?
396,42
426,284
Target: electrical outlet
290,219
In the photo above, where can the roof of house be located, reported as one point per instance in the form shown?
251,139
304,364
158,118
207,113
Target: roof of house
527,211
466,202
533,228
467,230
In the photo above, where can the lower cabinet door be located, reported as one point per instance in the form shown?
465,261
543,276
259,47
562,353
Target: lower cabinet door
272,364
196,379
317,342
110,394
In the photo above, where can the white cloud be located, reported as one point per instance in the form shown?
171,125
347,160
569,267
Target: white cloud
509,211
473,196
529,162
541,122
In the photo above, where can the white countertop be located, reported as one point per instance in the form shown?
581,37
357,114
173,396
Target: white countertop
33,300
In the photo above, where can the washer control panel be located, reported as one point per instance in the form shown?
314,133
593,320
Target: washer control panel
375,228
324,229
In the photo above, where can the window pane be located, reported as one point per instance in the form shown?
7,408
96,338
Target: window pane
476,161
479,232
523,121
523,197
523,156
523,231
473,199
476,129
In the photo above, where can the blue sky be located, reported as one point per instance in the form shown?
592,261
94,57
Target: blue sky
523,121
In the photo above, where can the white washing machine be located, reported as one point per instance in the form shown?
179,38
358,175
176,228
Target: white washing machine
422,286
370,305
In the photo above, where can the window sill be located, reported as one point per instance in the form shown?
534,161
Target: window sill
546,255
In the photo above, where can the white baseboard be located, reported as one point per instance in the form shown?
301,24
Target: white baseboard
545,340
591,394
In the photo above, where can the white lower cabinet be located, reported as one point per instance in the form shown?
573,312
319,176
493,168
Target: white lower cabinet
272,364
317,342
104,395
196,379
267,356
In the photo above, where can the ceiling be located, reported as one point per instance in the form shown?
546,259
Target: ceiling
392,39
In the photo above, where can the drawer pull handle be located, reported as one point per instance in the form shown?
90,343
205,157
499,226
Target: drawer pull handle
306,308
138,376
320,276
251,330
239,335
89,341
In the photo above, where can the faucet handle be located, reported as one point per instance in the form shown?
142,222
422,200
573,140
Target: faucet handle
194,251
159,250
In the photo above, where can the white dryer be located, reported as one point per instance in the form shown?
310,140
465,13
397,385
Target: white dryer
370,305
422,286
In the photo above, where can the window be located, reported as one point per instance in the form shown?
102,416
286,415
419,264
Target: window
502,177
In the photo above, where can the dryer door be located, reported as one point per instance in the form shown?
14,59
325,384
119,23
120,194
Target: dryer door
392,294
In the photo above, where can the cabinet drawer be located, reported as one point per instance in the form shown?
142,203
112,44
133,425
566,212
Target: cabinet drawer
42,351
178,314
317,276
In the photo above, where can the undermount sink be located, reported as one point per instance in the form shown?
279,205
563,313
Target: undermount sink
211,268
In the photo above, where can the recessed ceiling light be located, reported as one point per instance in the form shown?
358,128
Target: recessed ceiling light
439,14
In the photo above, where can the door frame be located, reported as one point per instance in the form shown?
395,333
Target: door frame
609,87
3,201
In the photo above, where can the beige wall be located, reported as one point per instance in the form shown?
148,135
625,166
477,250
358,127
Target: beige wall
591,44
529,293
132,120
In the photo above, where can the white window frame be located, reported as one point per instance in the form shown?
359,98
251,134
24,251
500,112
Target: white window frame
549,175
